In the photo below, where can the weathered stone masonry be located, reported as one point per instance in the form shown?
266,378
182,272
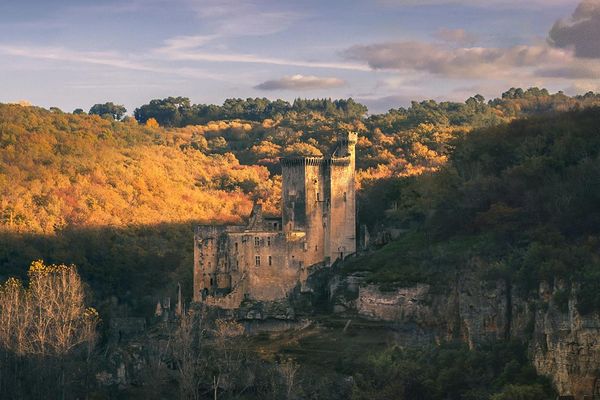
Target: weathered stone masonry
267,257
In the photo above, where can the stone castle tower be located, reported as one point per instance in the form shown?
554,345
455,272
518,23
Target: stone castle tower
268,257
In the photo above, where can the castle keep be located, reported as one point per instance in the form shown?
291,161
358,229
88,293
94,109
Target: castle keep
267,257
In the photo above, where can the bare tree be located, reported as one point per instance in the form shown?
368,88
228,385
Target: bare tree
288,371
229,356
46,319
188,353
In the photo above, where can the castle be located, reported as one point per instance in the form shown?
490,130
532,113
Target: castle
266,258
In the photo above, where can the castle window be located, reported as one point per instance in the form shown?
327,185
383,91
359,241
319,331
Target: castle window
257,261
236,246
344,196
316,248
268,240
270,260
209,264
211,282
318,196
256,241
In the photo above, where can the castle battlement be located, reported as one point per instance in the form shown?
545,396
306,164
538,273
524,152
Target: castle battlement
266,258
314,161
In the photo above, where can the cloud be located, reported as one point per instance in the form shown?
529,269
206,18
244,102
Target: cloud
581,31
187,42
243,17
62,54
475,62
300,82
109,59
385,103
189,48
505,4
576,69
458,37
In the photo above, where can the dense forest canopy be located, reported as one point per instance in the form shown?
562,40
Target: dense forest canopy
119,196
517,202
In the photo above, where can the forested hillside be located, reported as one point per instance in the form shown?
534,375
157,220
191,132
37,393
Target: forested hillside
119,197
517,202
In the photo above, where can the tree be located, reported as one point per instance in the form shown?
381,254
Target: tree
78,111
190,364
116,111
167,112
152,123
49,316
41,328
288,371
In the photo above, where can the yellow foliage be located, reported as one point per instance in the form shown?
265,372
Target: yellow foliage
152,123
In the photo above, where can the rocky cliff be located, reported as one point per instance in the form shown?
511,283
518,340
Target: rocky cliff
563,344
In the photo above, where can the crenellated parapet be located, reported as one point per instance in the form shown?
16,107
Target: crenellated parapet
314,161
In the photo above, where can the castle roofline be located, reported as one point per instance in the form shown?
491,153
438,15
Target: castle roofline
295,161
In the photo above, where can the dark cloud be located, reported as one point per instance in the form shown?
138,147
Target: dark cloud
580,32
300,82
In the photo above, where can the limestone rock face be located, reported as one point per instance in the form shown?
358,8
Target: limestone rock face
399,305
563,345
566,346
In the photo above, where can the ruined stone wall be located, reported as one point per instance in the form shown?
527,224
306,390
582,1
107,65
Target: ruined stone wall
205,257
293,206
316,213
342,218
259,256
209,261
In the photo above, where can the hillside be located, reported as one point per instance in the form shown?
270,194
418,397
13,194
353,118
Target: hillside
518,200
488,209
119,198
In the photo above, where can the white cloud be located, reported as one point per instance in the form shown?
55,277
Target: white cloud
187,42
301,82
475,62
189,48
109,59
243,17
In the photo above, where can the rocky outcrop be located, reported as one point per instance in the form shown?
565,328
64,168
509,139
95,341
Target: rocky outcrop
404,304
566,346
563,345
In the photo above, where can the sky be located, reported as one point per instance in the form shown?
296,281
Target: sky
384,53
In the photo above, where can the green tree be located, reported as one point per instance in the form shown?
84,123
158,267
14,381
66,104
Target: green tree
116,111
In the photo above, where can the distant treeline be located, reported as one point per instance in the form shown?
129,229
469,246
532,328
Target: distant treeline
180,112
